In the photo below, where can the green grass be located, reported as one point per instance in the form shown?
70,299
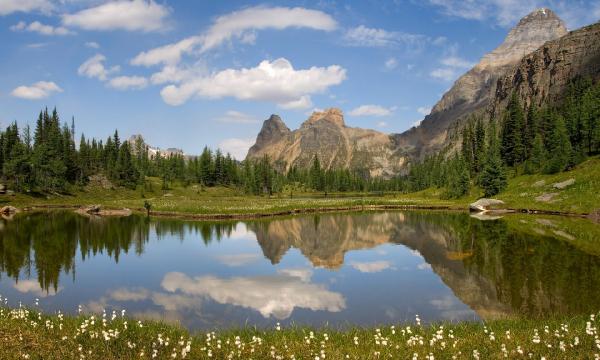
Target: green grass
26,333
581,198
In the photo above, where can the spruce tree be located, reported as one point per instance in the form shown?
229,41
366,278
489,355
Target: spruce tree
559,147
511,142
493,175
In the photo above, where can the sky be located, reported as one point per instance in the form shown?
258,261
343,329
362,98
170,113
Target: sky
190,73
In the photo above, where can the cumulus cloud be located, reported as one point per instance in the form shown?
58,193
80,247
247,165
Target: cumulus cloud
424,110
237,117
128,82
135,15
372,266
275,81
453,66
238,148
39,90
304,102
33,287
12,6
240,25
94,68
272,296
371,110
40,28
373,37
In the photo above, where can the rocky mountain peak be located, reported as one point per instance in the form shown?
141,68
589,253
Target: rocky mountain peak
530,33
333,115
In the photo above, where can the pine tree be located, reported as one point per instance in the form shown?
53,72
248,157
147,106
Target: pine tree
493,175
559,147
511,143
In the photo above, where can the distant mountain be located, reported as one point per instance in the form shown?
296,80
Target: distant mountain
537,60
326,135
153,151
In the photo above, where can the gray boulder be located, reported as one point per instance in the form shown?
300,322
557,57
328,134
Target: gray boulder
484,204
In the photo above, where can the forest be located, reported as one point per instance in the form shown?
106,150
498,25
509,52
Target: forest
524,140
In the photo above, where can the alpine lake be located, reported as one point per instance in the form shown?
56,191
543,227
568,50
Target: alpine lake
338,269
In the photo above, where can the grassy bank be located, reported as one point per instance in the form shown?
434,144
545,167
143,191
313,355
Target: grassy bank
533,192
25,333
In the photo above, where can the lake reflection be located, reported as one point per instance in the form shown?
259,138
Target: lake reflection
336,269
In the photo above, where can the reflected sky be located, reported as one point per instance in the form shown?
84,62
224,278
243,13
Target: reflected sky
335,269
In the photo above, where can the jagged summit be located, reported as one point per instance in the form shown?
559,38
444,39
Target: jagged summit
333,115
531,32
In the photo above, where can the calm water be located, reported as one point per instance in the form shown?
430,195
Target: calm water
335,269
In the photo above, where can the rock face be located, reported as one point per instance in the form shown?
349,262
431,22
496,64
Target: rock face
325,134
542,76
473,91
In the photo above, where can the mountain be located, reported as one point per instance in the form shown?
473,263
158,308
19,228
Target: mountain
472,91
325,134
137,140
482,90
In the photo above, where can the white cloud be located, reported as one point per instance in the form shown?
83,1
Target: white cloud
424,110
382,124
128,82
371,266
237,117
237,24
92,45
371,110
167,54
457,62
39,90
135,15
235,260
238,148
391,63
275,81
304,102
33,287
12,6
40,28
241,25
446,74
417,123
275,296
94,68
372,37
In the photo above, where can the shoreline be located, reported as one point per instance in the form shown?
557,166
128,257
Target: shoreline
309,210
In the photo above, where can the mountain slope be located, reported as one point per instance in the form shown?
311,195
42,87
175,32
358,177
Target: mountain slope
472,91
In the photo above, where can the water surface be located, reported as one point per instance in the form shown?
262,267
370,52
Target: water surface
332,269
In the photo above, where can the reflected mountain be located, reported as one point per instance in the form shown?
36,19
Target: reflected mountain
501,268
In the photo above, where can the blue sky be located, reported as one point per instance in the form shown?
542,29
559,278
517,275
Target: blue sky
192,73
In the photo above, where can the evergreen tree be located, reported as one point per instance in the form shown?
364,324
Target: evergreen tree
559,147
511,143
493,175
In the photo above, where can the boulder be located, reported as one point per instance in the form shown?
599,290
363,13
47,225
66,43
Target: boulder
2,189
564,184
8,210
484,204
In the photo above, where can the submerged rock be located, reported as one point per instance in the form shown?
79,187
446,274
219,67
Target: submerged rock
484,204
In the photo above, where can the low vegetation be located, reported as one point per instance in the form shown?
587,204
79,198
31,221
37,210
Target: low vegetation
29,334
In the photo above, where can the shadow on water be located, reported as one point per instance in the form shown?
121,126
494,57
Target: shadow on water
515,266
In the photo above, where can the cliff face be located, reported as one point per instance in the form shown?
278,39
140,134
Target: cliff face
472,91
542,76
325,135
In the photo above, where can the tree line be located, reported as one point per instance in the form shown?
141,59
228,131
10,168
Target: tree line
525,140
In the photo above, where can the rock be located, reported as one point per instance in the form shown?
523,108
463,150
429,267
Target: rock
547,197
539,183
564,184
8,210
115,212
93,209
484,204
2,189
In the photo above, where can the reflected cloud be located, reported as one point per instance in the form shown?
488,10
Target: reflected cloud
235,260
303,274
371,266
275,296
451,308
424,266
123,294
33,287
